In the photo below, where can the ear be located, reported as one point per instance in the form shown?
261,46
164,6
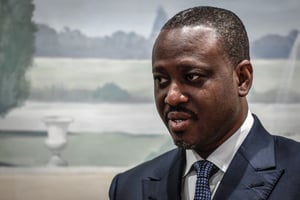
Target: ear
244,72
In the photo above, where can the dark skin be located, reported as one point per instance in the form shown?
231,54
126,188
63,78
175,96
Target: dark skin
199,95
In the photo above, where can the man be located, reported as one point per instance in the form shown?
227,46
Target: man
202,75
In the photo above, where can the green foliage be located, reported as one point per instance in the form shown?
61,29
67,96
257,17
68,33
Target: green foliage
16,50
111,92
74,44
59,93
274,46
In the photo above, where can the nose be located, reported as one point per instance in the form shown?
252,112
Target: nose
175,96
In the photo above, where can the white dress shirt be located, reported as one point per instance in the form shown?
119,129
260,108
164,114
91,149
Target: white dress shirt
221,157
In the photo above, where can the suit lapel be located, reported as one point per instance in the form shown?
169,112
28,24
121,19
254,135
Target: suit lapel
252,173
165,182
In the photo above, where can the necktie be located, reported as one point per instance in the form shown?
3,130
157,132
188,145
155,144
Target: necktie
204,170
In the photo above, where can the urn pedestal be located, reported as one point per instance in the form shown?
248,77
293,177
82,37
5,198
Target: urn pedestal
57,127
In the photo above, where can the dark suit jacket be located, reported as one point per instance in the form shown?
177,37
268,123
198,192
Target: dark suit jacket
264,167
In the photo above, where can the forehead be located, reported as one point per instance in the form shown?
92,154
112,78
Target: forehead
186,38
199,42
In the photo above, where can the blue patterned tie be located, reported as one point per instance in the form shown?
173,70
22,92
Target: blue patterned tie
204,170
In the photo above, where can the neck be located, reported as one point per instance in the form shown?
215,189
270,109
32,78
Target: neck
205,151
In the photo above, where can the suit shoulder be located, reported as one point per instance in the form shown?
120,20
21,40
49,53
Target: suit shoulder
288,149
128,184
164,159
286,142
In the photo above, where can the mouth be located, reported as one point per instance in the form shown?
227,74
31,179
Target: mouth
179,121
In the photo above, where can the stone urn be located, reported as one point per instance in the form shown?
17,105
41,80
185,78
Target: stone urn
57,128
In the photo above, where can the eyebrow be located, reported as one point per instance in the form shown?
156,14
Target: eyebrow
158,69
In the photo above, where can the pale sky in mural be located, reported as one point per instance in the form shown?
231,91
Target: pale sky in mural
103,17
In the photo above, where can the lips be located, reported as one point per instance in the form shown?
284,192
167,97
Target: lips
179,121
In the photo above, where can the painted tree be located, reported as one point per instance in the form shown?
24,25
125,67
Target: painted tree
16,51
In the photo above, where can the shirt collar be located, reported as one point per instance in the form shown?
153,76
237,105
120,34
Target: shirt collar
223,155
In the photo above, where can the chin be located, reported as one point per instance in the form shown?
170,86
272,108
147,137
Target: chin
184,145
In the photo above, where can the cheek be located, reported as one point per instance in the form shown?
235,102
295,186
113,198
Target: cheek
215,101
226,90
226,103
159,101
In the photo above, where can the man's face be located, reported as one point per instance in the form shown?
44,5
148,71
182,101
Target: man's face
196,88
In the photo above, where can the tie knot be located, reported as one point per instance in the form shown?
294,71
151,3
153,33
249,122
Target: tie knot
204,168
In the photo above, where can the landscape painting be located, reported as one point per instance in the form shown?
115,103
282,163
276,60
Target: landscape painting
86,67
100,77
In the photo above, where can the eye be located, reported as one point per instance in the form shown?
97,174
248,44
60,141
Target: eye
192,77
159,80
